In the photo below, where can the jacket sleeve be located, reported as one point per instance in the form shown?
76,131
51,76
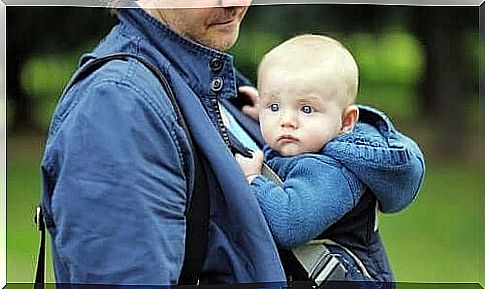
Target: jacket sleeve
315,194
118,189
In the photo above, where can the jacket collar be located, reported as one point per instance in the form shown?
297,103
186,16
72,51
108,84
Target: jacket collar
192,60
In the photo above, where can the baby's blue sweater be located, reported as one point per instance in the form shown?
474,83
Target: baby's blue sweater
320,188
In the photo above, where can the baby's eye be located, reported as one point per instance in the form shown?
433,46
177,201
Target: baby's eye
274,107
306,109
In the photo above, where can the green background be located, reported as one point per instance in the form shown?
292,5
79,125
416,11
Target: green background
436,239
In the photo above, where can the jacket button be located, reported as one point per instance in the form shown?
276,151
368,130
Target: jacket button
216,64
216,84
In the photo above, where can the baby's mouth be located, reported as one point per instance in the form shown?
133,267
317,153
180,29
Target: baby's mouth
286,138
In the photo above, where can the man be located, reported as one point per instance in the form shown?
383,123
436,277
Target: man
116,161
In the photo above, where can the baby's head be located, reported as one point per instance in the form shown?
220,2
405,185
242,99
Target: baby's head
307,86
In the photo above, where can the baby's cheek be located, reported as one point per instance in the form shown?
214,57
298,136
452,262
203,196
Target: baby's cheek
268,136
315,143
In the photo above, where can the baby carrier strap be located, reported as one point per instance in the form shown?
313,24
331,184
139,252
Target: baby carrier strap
311,261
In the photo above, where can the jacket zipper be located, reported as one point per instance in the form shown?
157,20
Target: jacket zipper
220,123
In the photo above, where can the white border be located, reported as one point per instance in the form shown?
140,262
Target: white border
178,3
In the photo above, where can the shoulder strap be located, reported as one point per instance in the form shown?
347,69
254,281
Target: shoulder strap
197,212
310,262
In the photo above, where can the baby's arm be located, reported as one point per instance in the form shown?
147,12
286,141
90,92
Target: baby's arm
315,194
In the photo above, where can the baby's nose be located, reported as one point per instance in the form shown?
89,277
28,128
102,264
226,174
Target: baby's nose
289,119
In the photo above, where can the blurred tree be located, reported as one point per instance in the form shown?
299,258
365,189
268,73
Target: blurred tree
445,88
44,30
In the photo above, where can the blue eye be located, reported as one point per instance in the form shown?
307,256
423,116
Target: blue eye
274,107
306,109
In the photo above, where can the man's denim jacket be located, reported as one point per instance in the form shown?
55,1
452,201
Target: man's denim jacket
116,164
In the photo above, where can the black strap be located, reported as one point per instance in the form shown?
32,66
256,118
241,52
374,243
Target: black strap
197,212
39,275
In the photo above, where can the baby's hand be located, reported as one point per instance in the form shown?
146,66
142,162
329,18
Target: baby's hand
251,166
252,96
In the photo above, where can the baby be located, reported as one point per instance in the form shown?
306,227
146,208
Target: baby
334,169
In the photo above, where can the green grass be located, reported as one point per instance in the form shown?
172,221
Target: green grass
23,192
434,240
437,238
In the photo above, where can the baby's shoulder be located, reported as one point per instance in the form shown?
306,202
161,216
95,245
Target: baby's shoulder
284,165
363,134
316,160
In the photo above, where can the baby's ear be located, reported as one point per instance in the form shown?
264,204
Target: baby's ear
349,118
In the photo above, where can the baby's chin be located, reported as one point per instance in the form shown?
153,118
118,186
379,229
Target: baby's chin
291,149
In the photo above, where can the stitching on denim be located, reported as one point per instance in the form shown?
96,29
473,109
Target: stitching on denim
58,119
56,124
176,140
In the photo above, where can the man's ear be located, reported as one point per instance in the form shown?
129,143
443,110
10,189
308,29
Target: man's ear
350,117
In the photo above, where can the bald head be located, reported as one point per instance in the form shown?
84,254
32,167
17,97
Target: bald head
314,57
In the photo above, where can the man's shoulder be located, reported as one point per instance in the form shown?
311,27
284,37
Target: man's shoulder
127,79
126,86
128,72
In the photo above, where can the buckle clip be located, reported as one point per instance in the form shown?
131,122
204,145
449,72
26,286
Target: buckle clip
39,219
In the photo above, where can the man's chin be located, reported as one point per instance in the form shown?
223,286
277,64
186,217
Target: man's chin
224,38
228,43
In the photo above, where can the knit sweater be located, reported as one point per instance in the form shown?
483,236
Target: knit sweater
320,188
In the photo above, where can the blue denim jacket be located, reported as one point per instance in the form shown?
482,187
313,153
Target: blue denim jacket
333,194
116,164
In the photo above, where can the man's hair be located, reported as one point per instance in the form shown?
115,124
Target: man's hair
315,50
